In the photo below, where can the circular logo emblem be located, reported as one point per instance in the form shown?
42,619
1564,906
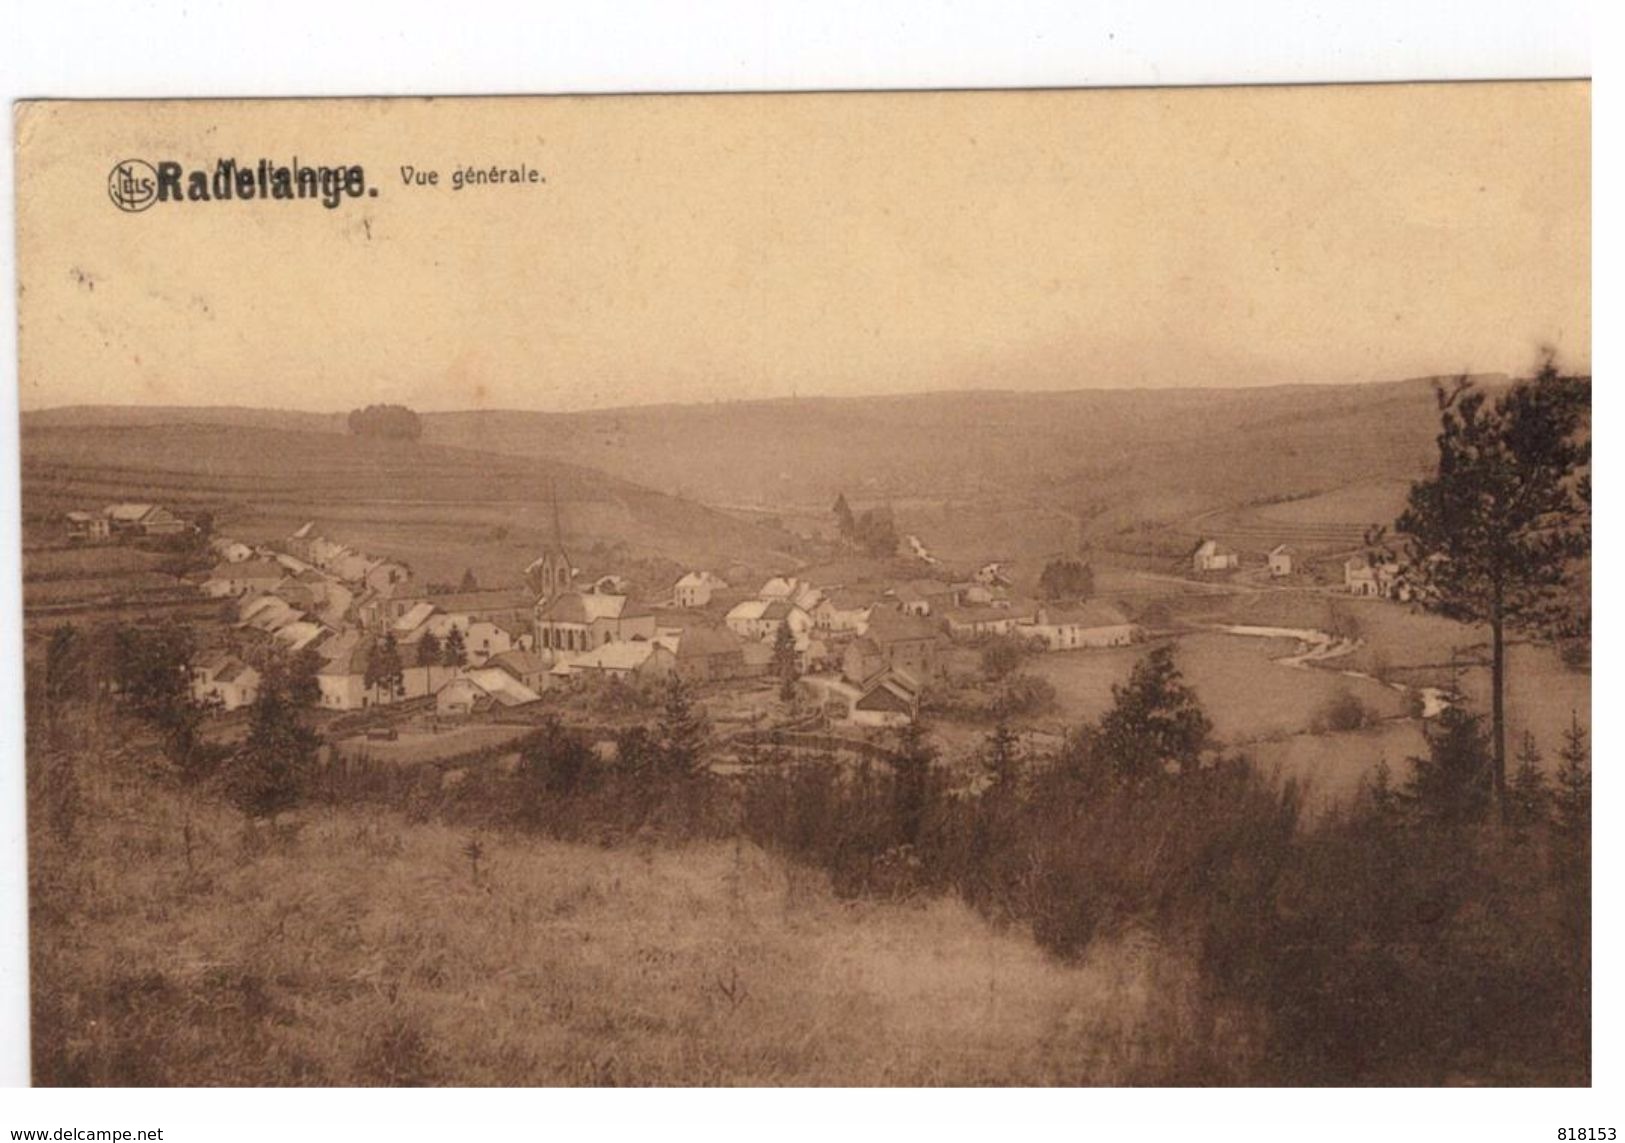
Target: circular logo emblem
133,185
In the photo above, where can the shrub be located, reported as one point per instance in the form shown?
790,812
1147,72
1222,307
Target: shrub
1343,711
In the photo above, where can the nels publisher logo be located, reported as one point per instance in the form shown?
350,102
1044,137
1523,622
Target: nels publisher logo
133,185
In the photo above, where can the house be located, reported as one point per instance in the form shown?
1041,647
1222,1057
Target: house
759,619
1280,559
229,550
696,589
342,679
257,576
511,608
890,698
906,642
623,661
779,587
143,520
479,690
88,528
298,635
1210,556
1377,579
708,654
221,677
922,596
1002,618
582,621
1092,624
268,613
386,575
844,611
993,575
529,667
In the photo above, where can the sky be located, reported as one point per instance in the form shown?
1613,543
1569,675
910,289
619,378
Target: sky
714,248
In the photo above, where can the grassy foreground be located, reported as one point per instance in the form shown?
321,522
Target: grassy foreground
170,945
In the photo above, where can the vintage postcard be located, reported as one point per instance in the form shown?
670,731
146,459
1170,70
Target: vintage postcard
1075,587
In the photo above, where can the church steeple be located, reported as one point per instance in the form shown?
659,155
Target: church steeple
552,574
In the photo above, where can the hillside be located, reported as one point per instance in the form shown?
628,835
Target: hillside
442,509
1255,442
976,474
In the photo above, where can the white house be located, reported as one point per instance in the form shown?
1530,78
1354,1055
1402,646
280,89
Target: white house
844,611
696,588
88,527
243,576
761,619
1093,624
479,690
1210,555
1375,579
220,677
1280,561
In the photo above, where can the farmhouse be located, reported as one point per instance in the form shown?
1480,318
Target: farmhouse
143,520
889,699
1003,618
844,611
511,608
696,589
760,619
1210,556
258,576
88,528
708,654
906,642
923,596
1377,579
581,621
623,661
529,667
231,551
1093,624
1280,559
480,690
220,677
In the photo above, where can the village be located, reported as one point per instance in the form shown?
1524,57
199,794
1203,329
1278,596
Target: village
857,650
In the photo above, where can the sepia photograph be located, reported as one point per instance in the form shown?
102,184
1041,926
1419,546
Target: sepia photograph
1080,588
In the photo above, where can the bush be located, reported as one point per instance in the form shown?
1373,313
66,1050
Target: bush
1343,711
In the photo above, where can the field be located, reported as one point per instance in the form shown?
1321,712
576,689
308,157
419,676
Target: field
172,947
443,510
977,475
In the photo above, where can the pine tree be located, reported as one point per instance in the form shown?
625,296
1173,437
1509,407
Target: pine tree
1452,783
911,781
455,653
384,672
1001,755
271,771
430,651
1492,538
1155,722
1572,798
785,665
845,523
681,733
1529,793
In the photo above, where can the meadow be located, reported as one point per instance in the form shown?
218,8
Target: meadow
174,944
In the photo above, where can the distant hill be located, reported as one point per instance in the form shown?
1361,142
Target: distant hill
974,471
443,509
